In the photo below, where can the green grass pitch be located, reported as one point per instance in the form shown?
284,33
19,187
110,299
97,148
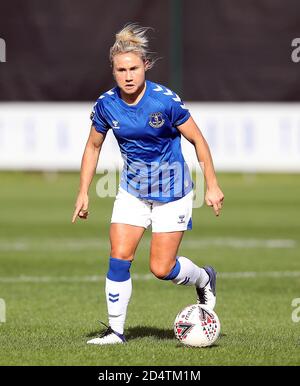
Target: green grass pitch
52,277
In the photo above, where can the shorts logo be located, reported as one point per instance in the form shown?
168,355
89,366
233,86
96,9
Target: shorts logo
181,219
156,120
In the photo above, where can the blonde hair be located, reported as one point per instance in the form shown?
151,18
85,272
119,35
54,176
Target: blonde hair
132,38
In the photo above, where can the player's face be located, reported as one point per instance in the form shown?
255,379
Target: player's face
129,72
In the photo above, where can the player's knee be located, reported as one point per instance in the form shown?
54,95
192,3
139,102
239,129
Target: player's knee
121,254
159,271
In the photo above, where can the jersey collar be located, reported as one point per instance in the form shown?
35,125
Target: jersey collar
140,102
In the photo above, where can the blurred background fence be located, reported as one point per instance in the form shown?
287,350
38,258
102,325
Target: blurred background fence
234,63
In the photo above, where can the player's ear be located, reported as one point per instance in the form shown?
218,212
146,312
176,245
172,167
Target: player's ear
113,71
146,65
112,68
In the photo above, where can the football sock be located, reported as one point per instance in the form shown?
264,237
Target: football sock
185,272
118,288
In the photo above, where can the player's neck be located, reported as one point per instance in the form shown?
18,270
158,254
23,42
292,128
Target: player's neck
133,99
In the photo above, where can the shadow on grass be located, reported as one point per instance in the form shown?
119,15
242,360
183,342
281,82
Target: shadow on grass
141,332
147,332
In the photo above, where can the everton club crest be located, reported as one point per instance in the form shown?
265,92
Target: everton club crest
156,120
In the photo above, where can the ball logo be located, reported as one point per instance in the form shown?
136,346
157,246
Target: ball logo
204,315
197,326
208,323
156,120
182,329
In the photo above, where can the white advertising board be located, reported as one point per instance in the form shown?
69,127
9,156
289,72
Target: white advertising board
246,137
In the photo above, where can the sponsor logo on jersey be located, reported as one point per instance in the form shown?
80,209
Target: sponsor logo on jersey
156,120
115,125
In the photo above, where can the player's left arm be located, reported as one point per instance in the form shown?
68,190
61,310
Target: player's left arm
214,196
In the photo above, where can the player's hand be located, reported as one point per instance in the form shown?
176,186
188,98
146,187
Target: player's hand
81,207
214,197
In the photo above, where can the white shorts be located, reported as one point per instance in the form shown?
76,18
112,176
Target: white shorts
164,217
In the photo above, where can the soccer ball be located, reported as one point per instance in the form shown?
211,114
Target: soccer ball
197,325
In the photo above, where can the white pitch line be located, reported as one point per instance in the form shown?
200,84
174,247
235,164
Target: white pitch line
143,277
241,243
88,244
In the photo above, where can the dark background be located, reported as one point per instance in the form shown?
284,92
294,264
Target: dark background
211,50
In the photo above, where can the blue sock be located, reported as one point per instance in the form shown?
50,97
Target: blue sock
118,289
118,269
174,272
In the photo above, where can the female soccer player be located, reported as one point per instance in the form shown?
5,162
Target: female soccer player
147,120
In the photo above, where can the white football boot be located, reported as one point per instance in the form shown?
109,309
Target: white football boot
207,294
109,336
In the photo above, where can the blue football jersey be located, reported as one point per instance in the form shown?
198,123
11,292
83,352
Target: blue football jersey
149,141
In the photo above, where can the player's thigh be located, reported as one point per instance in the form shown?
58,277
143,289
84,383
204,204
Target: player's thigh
163,251
124,239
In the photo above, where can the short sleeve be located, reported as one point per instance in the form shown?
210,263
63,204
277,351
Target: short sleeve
179,113
98,119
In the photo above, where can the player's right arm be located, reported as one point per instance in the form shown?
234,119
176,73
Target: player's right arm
88,168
